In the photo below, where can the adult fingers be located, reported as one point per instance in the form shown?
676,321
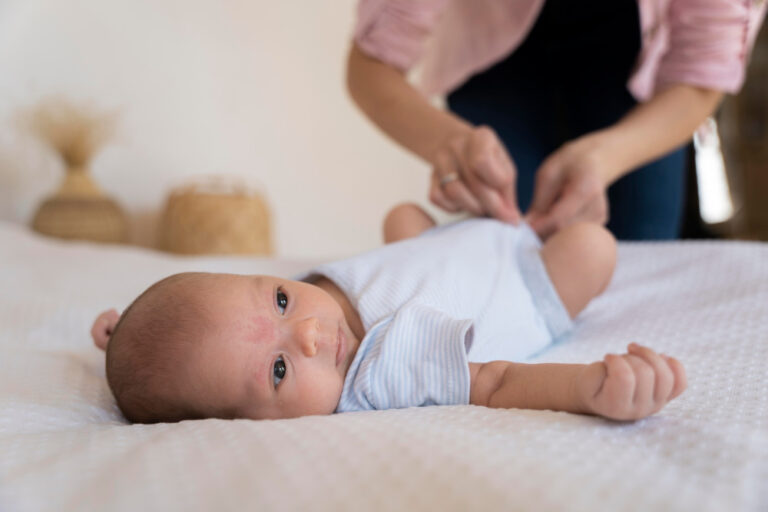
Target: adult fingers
510,210
549,179
437,196
498,203
564,211
485,154
582,197
447,166
488,167
510,204
493,202
460,195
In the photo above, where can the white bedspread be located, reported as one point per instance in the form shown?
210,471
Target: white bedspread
64,446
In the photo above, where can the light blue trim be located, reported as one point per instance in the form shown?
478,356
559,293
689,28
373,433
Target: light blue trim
536,278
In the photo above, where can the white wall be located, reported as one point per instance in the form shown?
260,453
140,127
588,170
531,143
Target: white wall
252,88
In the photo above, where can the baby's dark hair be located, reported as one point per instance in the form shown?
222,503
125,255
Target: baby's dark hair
145,354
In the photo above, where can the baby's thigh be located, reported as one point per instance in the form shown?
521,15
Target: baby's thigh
579,259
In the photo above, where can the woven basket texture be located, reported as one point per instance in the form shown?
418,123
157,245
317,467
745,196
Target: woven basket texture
200,220
80,210
95,219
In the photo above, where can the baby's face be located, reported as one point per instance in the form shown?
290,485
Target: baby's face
273,348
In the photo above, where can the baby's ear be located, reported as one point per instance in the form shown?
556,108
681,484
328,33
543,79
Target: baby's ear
103,327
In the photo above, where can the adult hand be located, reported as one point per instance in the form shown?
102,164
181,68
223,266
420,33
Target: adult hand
570,187
472,172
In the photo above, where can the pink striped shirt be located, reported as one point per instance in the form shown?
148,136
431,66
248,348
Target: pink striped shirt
705,43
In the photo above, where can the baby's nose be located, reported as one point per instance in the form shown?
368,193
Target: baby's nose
306,334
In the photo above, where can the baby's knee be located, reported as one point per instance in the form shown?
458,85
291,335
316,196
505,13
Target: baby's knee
594,247
404,221
580,259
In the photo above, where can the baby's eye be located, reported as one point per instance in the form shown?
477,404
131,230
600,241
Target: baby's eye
278,371
282,300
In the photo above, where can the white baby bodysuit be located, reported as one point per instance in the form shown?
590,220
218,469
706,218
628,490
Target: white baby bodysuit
476,290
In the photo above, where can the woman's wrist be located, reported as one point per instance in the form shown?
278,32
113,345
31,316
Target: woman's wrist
603,151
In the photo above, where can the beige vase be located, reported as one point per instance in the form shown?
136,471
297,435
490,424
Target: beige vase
78,209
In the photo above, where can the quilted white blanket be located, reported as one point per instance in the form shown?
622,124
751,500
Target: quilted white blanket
64,445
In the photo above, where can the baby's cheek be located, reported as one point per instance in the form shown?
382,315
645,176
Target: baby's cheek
322,397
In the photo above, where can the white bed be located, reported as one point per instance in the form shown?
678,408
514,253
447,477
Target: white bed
64,445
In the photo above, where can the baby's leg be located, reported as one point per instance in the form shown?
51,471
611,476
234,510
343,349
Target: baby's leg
579,259
405,221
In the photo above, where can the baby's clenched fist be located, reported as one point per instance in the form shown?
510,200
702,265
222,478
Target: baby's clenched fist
630,386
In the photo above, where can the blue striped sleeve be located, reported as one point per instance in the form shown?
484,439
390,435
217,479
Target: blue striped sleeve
417,357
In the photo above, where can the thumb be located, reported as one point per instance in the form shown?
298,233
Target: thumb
546,189
509,210
492,166
559,215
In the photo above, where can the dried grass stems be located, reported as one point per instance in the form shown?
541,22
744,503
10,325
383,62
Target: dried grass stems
74,131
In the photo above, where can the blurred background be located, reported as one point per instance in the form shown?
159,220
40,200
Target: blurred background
253,92
242,88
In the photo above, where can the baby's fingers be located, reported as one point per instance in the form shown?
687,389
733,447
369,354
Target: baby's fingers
681,379
645,380
619,384
103,327
438,197
664,378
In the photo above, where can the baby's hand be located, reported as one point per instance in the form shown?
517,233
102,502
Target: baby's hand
103,327
630,386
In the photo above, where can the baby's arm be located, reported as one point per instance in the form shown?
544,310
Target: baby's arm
621,387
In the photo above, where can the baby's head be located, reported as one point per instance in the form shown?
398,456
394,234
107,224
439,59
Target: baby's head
198,345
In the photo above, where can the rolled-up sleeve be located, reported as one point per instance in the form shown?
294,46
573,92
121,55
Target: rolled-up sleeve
709,42
395,31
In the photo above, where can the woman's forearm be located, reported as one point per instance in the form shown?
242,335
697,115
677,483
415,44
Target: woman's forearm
394,105
655,127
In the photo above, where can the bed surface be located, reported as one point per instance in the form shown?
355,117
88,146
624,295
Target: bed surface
64,445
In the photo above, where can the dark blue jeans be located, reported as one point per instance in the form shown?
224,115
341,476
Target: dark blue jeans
568,78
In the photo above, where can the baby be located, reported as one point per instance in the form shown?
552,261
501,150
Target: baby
443,316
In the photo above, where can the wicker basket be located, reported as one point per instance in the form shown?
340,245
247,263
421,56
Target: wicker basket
97,219
79,210
215,217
